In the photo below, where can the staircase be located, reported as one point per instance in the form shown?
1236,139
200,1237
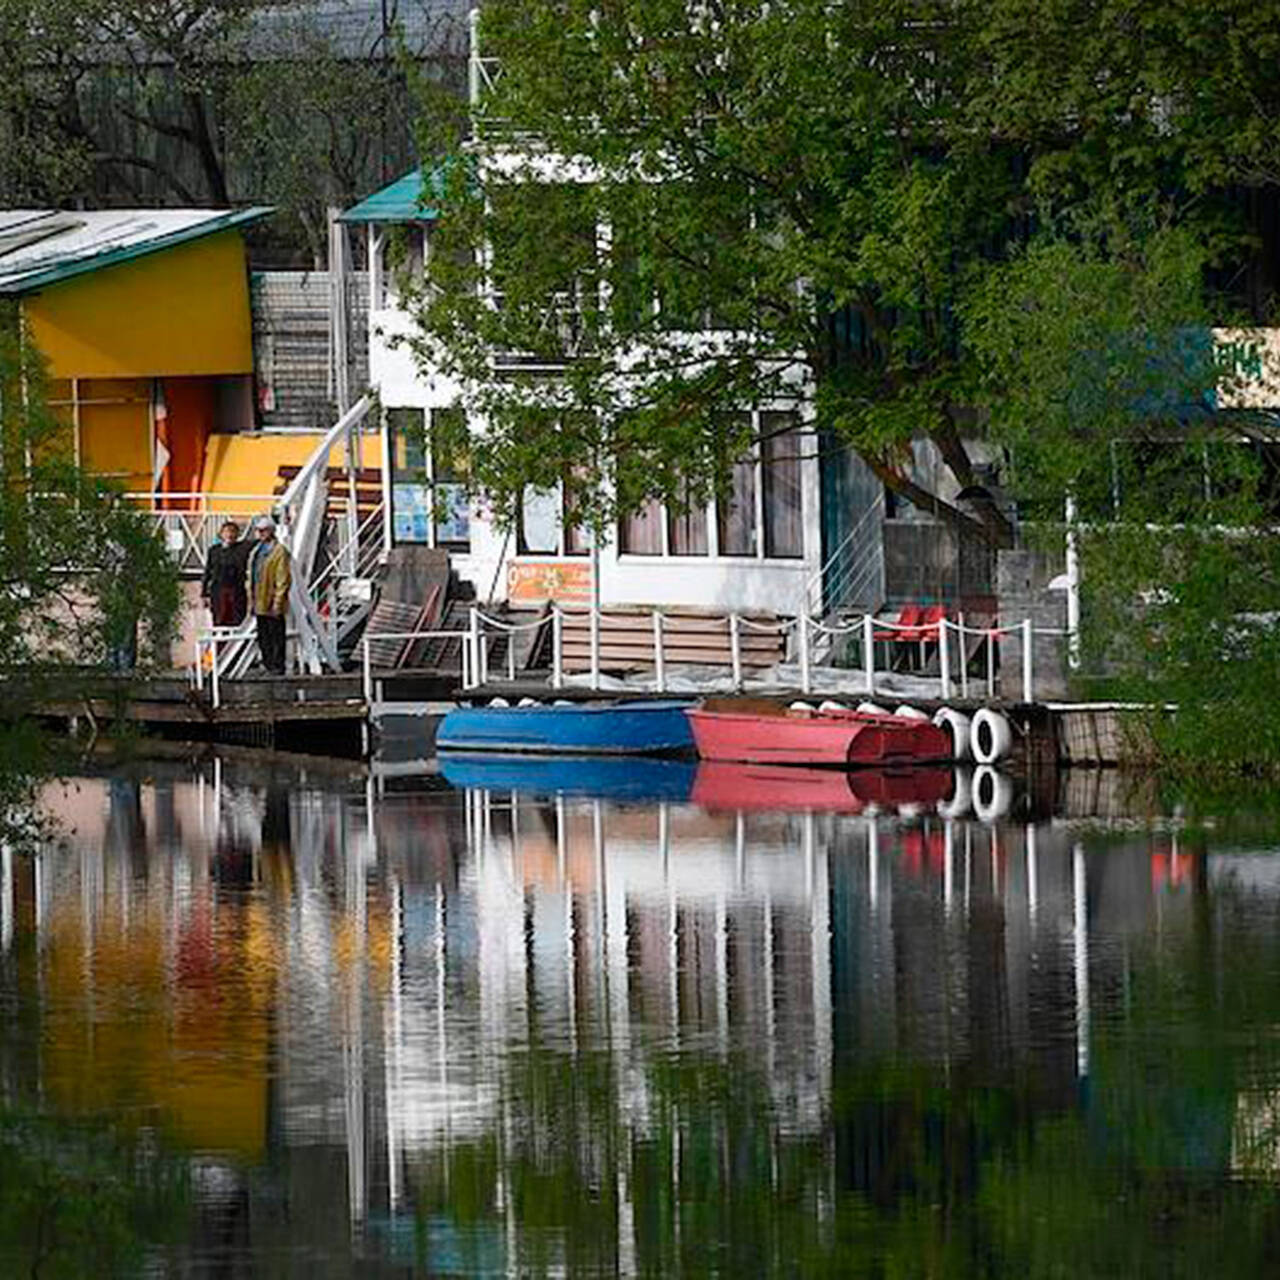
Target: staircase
331,595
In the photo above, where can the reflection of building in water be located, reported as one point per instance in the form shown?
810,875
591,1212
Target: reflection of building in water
634,999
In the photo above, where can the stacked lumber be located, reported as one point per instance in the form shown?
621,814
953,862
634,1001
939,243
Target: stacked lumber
688,636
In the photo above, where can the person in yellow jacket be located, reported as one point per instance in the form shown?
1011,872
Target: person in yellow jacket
270,576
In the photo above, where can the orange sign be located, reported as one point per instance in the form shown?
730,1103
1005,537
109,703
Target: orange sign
540,581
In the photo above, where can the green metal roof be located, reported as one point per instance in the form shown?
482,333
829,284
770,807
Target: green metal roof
41,247
399,202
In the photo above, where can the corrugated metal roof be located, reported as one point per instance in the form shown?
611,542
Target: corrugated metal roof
40,247
399,202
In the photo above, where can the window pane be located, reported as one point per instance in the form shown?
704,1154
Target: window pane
687,532
408,443
577,540
736,511
452,513
640,534
783,514
539,531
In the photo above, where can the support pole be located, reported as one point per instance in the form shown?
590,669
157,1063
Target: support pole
659,654
869,652
964,659
806,678
944,660
1028,635
1073,588
595,610
735,651
557,647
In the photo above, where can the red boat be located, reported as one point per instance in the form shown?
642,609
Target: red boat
756,731
720,786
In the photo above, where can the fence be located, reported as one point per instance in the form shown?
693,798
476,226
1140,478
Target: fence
809,635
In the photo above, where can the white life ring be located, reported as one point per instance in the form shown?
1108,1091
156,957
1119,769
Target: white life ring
990,736
992,794
905,712
831,705
800,706
961,796
958,725
528,702
499,702
871,709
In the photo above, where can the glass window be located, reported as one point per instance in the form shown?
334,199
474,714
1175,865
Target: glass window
640,534
452,513
687,531
783,513
410,481
736,502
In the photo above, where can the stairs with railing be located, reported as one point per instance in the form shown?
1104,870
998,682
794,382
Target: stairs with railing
319,578
850,582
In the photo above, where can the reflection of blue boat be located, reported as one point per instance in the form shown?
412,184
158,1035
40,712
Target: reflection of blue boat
602,776
615,729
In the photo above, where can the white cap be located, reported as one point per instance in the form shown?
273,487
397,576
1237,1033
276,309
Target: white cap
263,522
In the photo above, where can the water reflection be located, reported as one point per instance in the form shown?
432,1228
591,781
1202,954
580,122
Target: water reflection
747,1024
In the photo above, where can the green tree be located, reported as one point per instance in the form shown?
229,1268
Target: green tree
824,185
81,572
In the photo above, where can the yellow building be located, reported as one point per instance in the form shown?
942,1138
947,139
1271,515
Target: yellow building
143,319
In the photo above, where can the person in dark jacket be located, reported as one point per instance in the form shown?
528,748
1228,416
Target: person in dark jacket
223,587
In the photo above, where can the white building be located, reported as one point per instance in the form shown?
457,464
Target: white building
761,550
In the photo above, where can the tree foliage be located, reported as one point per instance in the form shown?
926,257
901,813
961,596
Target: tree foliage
828,187
81,572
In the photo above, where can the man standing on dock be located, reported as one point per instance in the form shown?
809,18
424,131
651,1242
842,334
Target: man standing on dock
270,578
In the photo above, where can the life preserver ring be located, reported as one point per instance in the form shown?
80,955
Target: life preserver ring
959,726
871,709
992,794
906,712
990,736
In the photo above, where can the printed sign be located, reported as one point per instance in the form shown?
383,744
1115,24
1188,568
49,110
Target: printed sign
543,581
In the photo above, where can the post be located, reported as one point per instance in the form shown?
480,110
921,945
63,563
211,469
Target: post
1028,635
367,667
944,660
595,647
993,635
511,654
735,650
199,664
473,642
806,679
964,658
1073,588
659,655
557,647
869,652
213,674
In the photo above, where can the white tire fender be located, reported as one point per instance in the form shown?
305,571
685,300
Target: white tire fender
990,736
959,726
992,794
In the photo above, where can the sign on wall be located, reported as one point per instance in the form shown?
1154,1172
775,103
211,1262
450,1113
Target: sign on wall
549,581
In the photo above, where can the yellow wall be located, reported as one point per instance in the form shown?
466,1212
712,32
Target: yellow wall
251,463
179,311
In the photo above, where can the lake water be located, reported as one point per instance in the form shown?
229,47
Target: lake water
264,1020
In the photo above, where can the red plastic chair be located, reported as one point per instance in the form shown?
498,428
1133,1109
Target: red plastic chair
927,630
908,617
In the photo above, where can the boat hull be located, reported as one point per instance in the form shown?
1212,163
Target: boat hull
839,738
622,728
751,788
623,780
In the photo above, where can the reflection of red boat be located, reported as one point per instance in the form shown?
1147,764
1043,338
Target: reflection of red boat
749,787
762,732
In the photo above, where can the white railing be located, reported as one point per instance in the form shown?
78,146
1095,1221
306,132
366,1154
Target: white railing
209,646
853,574
811,636
191,529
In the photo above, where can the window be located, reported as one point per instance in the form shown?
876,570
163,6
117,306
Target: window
780,448
687,531
428,479
640,534
736,504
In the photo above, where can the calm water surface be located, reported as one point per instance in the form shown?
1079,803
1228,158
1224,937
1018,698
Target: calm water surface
256,1020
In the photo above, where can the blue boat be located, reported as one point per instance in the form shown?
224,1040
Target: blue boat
595,777
612,729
